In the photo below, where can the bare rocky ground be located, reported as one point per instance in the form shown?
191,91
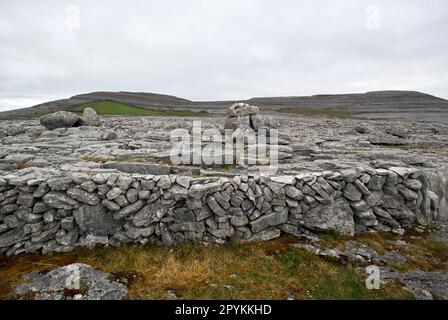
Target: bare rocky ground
141,145
305,143
417,260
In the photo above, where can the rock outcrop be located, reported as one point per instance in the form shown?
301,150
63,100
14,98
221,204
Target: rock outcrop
89,117
72,282
60,119
65,119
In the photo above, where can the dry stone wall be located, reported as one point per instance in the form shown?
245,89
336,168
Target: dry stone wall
59,212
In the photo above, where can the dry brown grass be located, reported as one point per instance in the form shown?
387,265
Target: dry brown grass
194,271
23,165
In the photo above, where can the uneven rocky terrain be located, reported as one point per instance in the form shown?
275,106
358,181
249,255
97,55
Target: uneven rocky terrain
69,181
376,105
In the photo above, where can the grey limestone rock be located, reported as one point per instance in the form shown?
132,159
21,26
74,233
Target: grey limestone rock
60,200
72,282
60,119
334,216
83,196
96,220
89,118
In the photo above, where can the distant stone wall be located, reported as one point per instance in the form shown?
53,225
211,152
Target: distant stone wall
57,213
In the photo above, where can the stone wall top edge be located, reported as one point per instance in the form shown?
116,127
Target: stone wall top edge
35,176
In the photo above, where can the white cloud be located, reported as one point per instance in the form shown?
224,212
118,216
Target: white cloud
213,49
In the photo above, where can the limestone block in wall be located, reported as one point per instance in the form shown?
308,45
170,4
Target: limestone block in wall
438,183
334,216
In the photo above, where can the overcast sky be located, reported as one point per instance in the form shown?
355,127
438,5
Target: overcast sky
216,49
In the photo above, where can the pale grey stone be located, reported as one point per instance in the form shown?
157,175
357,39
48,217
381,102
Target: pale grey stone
184,181
96,220
12,237
124,182
135,233
89,186
26,199
83,196
293,192
130,209
269,220
41,190
60,184
59,119
376,182
214,206
284,179
114,193
164,182
122,201
33,227
413,184
89,118
144,194
40,207
334,216
352,193
59,200
264,235
374,199
110,205
239,221
68,223
52,284
408,194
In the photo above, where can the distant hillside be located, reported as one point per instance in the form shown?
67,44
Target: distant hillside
138,99
370,102
352,99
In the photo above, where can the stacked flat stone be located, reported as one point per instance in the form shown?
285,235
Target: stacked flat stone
244,116
80,209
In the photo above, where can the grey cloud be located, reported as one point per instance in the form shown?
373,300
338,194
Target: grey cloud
213,49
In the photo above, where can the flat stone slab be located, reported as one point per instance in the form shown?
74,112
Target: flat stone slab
72,282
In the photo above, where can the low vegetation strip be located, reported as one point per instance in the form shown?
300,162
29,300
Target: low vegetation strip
271,270
110,108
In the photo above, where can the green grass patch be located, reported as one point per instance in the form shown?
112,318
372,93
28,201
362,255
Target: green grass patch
319,112
110,108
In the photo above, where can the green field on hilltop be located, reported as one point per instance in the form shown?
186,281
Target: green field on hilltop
110,108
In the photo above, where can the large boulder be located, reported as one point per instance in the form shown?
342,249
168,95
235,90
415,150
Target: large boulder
438,180
334,216
60,119
95,220
89,117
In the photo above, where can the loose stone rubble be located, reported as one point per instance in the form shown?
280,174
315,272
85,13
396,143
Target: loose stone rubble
72,282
